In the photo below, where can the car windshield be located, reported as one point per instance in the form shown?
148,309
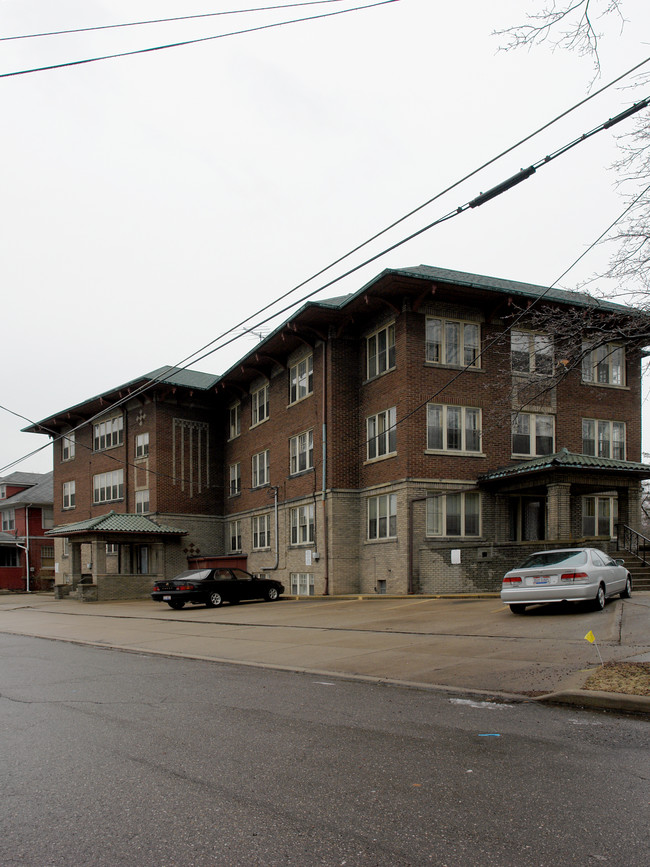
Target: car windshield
555,558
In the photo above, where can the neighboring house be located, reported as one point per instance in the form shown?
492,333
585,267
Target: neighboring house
26,554
374,443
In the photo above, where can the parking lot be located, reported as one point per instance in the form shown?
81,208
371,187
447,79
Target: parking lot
460,643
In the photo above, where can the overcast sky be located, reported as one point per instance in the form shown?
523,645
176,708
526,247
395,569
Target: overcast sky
152,202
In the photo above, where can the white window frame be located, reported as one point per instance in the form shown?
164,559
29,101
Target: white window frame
234,487
302,525
108,434
604,364
442,350
142,445
234,421
142,502
608,439
8,520
601,504
301,379
380,351
259,405
69,495
108,487
450,437
381,434
456,514
382,517
302,584
301,452
261,469
261,532
68,446
234,528
534,421
531,352
112,549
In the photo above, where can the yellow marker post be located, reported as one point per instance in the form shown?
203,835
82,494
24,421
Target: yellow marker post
591,638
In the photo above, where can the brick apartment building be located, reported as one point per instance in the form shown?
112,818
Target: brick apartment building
374,443
26,553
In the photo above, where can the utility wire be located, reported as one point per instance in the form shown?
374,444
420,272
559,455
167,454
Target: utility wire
165,20
411,213
193,41
503,187
521,315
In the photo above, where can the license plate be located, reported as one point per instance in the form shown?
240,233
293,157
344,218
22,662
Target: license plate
541,580
166,598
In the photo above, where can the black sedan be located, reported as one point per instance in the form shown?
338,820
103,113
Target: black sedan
213,587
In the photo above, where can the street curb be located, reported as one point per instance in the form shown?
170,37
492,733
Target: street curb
589,699
597,699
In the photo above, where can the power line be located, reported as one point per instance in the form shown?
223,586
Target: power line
411,213
193,41
476,202
166,20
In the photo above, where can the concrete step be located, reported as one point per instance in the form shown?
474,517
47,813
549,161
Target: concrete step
638,570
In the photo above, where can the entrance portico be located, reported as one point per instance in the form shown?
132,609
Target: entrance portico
139,543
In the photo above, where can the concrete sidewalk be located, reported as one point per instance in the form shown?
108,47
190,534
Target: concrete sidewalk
469,645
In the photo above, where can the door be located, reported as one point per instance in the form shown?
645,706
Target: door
527,519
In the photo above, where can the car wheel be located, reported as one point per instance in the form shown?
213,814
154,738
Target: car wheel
271,594
599,601
625,594
176,604
214,600
518,608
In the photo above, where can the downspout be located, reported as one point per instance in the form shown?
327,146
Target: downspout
324,471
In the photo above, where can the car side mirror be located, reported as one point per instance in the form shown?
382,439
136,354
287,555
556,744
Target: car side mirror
620,562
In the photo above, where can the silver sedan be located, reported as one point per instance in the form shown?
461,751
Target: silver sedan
565,575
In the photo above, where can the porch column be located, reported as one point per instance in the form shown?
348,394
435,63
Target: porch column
501,528
98,557
629,506
75,561
156,566
559,511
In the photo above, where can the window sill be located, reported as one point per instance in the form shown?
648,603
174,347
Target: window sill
107,449
606,385
300,399
378,375
455,453
523,457
379,458
258,423
301,473
381,541
464,367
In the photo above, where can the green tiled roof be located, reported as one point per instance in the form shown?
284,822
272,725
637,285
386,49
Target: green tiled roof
501,285
567,460
177,377
114,523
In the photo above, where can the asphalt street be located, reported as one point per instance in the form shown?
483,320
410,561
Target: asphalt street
111,758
